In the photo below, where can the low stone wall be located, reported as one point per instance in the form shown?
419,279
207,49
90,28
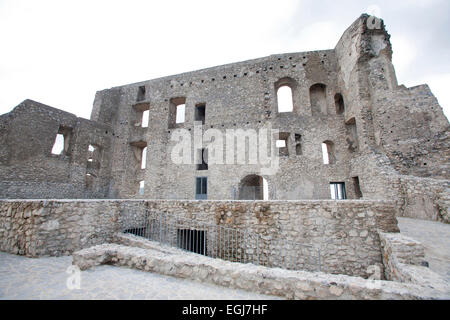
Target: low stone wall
404,261
421,198
54,228
278,282
345,231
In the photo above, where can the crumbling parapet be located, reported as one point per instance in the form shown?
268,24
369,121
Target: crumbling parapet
404,261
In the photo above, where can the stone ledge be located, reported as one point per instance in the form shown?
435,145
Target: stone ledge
277,282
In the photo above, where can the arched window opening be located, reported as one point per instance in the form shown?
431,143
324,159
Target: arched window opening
285,100
252,188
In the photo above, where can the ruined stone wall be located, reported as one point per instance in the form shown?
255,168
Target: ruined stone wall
345,232
404,261
349,96
402,132
28,169
237,96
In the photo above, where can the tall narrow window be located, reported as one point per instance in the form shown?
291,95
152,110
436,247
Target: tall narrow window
145,118
328,152
177,112
265,189
285,100
181,111
318,97
144,158
298,144
141,187
201,188
141,94
357,187
339,102
200,113
58,147
352,135
337,190
62,141
204,156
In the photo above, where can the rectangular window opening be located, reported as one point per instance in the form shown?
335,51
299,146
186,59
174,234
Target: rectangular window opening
141,187
58,146
203,154
145,118
201,188
337,190
144,158
181,111
200,113
141,94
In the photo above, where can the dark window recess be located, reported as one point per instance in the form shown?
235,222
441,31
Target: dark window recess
141,94
200,113
338,191
298,144
204,156
201,188
192,240
339,102
357,187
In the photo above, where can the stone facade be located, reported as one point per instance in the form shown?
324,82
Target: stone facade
386,141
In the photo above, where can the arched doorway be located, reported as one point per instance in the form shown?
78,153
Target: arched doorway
253,187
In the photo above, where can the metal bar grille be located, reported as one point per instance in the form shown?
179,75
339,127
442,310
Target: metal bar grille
220,242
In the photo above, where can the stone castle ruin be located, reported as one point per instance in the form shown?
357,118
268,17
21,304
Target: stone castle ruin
354,150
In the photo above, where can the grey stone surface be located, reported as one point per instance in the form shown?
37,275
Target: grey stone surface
435,237
45,278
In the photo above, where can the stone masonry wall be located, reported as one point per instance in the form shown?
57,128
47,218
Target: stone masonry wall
404,261
345,232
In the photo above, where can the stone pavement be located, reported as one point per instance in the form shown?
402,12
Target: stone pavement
435,237
45,278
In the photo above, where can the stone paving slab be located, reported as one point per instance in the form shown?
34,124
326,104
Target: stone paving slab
45,278
435,237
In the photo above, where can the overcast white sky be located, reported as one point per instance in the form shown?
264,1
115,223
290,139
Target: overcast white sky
61,52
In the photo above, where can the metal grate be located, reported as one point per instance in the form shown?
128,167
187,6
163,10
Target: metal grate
220,242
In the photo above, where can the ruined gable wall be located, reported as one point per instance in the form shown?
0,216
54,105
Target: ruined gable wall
30,170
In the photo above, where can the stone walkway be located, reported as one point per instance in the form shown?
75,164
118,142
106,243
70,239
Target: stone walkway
435,237
45,278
